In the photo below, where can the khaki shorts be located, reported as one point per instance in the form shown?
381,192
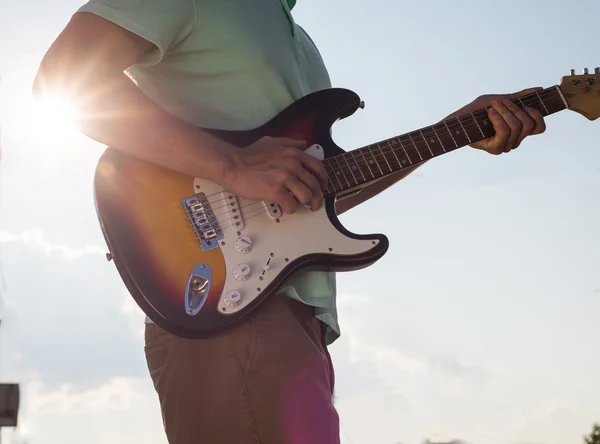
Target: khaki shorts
266,380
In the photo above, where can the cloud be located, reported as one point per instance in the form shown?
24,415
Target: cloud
118,410
405,378
382,378
73,338
415,378
35,238
68,315
114,394
387,353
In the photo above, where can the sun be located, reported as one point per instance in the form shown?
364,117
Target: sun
45,127
51,122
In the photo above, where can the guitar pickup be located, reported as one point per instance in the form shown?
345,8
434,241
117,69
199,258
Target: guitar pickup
235,220
273,209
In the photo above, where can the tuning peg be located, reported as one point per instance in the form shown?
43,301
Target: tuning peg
572,72
597,71
585,71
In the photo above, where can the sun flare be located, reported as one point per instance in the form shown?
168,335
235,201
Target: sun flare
53,119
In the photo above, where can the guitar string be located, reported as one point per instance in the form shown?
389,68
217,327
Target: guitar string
245,217
243,203
246,214
345,171
379,152
395,145
411,148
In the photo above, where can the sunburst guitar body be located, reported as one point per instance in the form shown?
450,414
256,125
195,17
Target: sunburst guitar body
197,258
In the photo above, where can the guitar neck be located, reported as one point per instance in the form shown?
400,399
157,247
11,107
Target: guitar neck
355,168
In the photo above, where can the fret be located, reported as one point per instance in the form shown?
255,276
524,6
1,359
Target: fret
416,148
563,102
437,135
385,158
335,172
477,123
370,161
458,119
400,164
340,171
365,168
486,126
399,139
361,151
387,151
555,101
401,152
355,166
375,159
426,143
448,132
433,141
329,179
542,102
459,135
330,182
470,127
345,157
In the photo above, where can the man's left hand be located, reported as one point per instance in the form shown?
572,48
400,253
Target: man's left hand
511,123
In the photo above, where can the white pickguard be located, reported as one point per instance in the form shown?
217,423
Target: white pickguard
272,242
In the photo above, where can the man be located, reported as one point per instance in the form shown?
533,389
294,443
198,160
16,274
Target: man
230,64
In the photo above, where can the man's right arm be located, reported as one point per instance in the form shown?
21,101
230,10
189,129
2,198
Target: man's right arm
85,65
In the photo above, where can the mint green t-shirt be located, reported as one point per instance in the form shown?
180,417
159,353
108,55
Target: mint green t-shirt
231,65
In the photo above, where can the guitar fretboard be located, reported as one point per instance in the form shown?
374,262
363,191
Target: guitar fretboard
357,167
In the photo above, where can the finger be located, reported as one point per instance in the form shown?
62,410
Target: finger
313,185
513,123
317,168
527,123
538,118
287,202
502,131
300,191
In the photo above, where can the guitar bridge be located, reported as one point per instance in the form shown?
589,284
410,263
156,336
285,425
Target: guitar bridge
203,221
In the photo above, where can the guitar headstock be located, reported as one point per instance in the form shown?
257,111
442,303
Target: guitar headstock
582,92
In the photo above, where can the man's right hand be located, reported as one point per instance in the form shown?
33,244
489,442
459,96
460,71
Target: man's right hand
276,169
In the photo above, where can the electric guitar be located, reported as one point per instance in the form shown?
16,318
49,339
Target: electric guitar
197,258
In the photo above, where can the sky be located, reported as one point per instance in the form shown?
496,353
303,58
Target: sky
479,324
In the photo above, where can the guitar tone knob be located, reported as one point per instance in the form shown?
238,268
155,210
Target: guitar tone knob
242,272
232,298
243,244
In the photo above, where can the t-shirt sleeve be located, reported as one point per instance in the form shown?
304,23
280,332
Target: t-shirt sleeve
165,23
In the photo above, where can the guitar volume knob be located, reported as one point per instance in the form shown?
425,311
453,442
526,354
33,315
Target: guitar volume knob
232,298
242,272
243,244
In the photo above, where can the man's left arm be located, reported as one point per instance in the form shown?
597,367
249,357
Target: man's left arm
511,125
